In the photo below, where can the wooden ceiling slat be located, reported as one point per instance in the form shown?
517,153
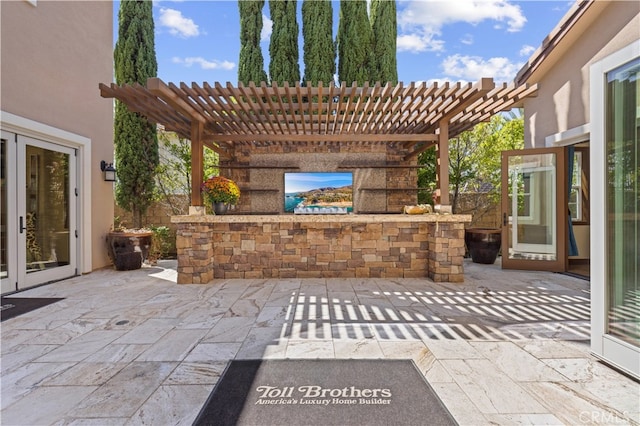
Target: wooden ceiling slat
310,105
300,108
356,116
324,124
337,111
185,93
254,108
268,114
217,110
241,101
386,107
375,111
395,111
412,107
367,110
200,103
348,107
290,114
467,97
264,109
159,89
232,119
292,109
275,110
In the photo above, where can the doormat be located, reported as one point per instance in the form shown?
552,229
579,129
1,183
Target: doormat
323,392
14,306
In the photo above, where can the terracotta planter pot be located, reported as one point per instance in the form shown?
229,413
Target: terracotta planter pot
483,244
127,250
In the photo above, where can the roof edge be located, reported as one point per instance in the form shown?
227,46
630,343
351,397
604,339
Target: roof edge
552,40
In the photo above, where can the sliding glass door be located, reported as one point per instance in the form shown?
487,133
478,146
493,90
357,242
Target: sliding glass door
623,204
616,278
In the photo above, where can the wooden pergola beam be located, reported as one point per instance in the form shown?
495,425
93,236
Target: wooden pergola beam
442,175
413,117
340,137
197,162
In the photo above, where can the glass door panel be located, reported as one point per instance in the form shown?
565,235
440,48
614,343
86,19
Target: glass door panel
7,233
533,237
47,240
623,204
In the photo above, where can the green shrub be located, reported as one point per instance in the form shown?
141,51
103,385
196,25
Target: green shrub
160,243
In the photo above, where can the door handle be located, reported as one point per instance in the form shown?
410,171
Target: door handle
504,219
22,228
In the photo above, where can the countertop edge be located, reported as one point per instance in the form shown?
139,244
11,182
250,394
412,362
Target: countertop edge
323,218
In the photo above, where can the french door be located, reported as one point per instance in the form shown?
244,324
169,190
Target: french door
534,209
39,208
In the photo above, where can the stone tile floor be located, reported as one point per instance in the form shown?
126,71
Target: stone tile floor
129,348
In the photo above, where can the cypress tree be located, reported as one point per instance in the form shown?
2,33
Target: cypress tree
319,48
135,139
354,42
384,29
283,48
251,62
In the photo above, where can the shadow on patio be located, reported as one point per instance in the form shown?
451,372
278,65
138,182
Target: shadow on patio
136,348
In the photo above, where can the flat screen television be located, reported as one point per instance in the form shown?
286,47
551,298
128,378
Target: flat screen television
318,192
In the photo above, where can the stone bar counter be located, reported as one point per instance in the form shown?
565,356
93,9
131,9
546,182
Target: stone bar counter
320,246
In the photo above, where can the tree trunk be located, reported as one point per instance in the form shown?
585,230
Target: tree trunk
137,218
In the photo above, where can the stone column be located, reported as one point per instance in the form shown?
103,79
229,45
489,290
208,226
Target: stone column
446,252
195,253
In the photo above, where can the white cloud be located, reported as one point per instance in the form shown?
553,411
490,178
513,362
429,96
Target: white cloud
435,14
425,19
467,39
417,43
203,63
527,50
473,68
267,28
177,24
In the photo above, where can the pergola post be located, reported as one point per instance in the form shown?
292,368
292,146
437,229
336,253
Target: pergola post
197,166
442,162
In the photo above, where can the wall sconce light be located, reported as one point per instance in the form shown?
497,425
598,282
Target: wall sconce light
109,172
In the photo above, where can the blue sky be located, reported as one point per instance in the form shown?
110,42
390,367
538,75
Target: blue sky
300,182
453,40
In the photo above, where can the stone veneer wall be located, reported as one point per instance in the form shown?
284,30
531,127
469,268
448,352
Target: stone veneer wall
446,251
253,168
195,253
256,248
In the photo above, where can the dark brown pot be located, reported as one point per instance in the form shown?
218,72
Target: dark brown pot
127,250
483,244
220,207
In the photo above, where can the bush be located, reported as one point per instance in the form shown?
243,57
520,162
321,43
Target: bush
160,243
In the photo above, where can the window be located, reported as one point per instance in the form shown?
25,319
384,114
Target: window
579,195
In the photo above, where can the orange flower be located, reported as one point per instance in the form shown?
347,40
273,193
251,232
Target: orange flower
218,189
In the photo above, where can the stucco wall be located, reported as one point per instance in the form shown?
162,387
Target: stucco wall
54,54
563,95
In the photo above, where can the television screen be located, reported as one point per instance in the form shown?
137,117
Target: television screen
318,192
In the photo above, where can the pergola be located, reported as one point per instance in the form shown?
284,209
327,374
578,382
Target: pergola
414,117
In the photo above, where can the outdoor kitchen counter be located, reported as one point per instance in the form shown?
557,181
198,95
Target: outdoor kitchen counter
315,218
320,246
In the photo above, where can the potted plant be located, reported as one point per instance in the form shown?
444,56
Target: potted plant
220,192
483,244
128,248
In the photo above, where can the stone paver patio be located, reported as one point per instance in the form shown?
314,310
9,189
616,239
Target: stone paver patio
504,347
